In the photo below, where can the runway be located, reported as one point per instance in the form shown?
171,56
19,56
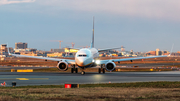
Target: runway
42,78
140,65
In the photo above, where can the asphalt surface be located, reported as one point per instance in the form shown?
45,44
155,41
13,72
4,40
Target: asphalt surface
35,78
118,66
9,67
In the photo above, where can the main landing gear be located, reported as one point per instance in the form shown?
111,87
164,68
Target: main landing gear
74,69
101,70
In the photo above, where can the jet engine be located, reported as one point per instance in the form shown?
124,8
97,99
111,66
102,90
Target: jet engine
62,65
110,66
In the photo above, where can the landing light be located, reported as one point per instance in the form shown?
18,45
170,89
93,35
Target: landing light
97,62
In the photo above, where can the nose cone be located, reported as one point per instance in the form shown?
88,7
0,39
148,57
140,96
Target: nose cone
80,61
83,61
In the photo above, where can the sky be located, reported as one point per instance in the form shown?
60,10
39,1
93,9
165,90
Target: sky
140,25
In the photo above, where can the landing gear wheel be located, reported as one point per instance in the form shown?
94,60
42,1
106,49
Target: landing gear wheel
76,70
82,73
72,70
103,70
99,70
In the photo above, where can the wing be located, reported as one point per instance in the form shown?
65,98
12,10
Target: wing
45,58
100,50
127,59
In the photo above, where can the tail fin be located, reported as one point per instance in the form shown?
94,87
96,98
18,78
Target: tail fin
92,43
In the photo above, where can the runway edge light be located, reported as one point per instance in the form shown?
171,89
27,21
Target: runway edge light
67,85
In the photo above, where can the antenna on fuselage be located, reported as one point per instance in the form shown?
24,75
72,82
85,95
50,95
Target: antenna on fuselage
92,43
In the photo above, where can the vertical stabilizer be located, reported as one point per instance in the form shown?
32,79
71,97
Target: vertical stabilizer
92,43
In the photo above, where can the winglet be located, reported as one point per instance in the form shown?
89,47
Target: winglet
171,50
8,51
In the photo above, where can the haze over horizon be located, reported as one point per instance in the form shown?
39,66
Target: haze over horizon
140,25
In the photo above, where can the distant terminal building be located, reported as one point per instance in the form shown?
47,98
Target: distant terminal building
25,50
151,53
175,54
157,52
57,50
67,50
55,55
20,45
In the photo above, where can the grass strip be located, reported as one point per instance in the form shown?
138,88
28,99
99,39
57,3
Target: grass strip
145,91
161,84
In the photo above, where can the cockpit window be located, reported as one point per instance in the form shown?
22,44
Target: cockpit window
84,55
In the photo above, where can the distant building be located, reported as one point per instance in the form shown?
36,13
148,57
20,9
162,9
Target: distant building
55,55
3,50
131,52
57,50
67,50
20,45
11,50
157,51
122,49
151,53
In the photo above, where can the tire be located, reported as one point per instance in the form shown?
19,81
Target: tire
82,73
103,70
72,70
99,70
76,70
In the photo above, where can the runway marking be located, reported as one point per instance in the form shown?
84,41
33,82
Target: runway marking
22,78
39,78
32,78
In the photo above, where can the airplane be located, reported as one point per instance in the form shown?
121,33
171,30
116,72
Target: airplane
87,58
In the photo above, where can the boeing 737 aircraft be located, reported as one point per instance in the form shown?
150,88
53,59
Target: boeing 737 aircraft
86,58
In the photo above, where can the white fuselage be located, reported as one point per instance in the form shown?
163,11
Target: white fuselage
86,56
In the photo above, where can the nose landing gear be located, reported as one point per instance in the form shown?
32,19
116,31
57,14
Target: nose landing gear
83,72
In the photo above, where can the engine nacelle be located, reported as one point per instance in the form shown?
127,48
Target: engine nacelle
62,65
110,66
